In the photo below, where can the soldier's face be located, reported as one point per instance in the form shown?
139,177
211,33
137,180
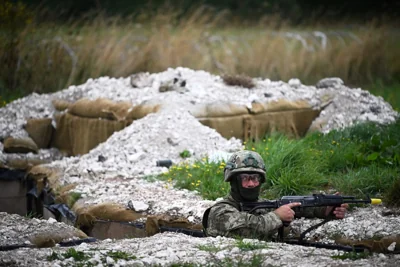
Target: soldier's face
250,180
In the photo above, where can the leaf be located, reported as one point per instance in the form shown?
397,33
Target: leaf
373,156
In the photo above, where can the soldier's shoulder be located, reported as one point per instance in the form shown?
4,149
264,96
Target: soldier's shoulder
226,203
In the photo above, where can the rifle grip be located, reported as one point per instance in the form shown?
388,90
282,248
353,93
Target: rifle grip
285,224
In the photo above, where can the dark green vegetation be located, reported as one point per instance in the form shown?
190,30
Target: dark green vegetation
360,160
352,256
185,154
297,10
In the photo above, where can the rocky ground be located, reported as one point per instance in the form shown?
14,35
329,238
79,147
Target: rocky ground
129,156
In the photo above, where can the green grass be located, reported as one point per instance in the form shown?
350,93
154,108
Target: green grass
351,256
209,248
76,255
360,160
248,246
255,260
391,93
81,258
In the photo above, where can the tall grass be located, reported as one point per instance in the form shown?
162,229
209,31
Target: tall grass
48,57
340,161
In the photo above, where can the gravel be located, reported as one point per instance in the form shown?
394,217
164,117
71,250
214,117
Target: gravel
173,248
118,169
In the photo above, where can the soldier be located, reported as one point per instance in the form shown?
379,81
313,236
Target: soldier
245,171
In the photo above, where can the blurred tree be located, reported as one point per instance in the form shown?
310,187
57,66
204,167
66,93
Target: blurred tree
295,10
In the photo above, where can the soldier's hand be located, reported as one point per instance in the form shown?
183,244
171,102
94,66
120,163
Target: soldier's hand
339,212
285,212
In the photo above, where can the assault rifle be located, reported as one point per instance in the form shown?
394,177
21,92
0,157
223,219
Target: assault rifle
315,200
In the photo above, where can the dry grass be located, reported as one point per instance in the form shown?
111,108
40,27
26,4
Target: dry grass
51,57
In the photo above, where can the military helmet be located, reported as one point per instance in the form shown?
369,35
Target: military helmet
244,161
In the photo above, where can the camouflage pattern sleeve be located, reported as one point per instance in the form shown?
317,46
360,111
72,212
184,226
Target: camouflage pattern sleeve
225,220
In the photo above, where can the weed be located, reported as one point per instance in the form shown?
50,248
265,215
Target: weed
75,254
185,154
255,261
120,255
33,214
54,256
392,197
72,198
351,256
246,245
209,248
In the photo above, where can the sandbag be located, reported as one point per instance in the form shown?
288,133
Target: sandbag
77,135
60,104
120,110
20,145
279,105
229,126
50,238
294,123
154,222
142,110
44,176
23,163
100,108
40,130
218,109
387,244
87,215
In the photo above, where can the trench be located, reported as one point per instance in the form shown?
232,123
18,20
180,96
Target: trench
19,195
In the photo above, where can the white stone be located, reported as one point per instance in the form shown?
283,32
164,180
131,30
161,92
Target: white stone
392,246
139,206
110,260
51,220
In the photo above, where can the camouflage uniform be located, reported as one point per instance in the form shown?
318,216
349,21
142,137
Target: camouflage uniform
225,218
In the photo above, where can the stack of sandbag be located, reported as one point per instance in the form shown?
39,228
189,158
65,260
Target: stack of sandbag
252,123
87,123
25,152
